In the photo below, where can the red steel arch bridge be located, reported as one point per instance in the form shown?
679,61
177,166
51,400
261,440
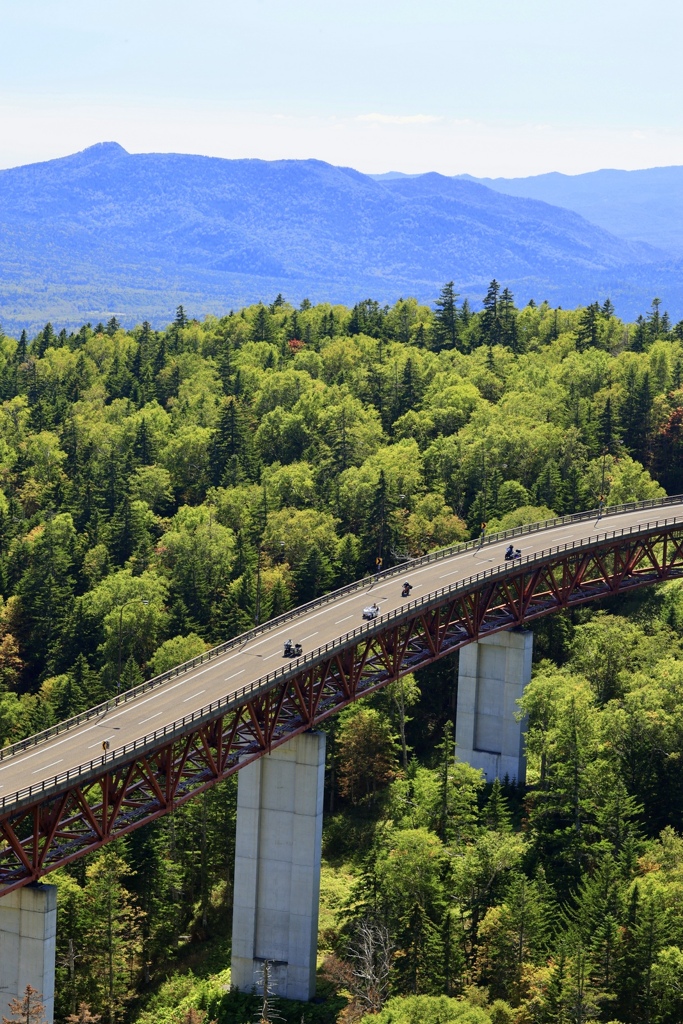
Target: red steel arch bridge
97,776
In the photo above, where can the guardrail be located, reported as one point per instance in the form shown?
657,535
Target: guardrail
265,683
244,638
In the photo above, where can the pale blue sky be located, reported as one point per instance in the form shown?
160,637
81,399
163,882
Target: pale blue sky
502,87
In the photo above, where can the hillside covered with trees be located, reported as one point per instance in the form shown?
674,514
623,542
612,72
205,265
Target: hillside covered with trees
229,231
160,491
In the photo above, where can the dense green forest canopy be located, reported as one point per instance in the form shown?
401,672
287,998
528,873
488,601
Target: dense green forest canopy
161,491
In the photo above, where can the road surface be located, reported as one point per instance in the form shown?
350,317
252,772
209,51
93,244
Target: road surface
227,673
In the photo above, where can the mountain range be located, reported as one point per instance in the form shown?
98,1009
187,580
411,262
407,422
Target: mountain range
644,205
104,232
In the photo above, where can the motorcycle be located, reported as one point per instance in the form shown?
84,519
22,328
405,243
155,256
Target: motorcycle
293,650
405,590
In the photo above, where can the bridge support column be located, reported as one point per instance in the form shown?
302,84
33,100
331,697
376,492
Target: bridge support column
492,676
28,936
277,867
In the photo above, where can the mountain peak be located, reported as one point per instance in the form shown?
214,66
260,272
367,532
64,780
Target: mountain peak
103,150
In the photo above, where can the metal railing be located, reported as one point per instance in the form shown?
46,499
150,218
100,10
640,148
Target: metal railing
293,668
245,638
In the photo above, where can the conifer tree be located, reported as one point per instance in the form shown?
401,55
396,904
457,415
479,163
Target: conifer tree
314,576
654,319
84,1015
640,335
588,331
490,322
606,435
262,330
446,318
26,1010
21,349
231,449
508,321
379,534
496,813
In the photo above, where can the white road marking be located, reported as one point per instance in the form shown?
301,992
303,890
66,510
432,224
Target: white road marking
143,720
533,543
345,619
197,694
45,767
310,635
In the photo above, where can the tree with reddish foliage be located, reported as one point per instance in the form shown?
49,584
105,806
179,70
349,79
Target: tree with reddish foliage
27,1010
83,1016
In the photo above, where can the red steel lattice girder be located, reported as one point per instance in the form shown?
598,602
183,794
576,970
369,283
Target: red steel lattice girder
61,826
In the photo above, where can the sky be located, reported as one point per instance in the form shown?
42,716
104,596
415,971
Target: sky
502,88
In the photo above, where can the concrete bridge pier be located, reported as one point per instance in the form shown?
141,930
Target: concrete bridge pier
28,936
493,673
277,867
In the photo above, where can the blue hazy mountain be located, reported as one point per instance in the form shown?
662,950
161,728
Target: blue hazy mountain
644,205
105,232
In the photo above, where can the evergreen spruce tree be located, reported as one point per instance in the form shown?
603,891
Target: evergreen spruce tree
490,323
262,330
588,331
606,435
446,319
314,576
508,320
496,813
22,346
143,445
654,319
640,335
231,448
378,535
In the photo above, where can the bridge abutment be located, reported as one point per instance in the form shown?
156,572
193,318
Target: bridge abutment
277,867
493,673
28,937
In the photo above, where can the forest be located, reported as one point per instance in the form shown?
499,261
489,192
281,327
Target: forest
163,490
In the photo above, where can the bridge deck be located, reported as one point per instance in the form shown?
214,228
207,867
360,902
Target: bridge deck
313,628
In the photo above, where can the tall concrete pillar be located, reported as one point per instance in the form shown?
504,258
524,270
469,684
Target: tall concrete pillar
277,867
492,676
28,936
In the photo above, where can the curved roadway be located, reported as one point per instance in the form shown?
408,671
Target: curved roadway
314,628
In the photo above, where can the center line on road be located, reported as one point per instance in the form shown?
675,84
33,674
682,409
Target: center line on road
235,674
454,573
309,635
143,720
45,767
346,619
197,694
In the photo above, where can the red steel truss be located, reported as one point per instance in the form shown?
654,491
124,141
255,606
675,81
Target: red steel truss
37,837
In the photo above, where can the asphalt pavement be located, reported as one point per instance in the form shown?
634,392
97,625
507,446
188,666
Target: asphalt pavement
227,673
